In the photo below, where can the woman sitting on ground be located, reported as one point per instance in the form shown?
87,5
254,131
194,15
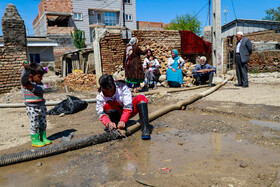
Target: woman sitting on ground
174,73
151,66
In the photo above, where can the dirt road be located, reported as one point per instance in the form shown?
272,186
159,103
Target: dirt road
229,138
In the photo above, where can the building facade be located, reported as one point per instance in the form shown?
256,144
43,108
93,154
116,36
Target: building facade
149,25
91,14
60,17
248,26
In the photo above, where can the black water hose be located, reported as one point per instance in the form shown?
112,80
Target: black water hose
96,139
58,148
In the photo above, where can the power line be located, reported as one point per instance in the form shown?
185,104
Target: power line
233,9
201,9
206,19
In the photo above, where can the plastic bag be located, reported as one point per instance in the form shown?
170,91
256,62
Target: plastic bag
70,105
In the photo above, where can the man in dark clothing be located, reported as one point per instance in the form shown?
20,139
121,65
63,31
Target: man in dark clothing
203,72
242,54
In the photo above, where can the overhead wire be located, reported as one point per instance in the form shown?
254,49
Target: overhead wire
201,8
233,9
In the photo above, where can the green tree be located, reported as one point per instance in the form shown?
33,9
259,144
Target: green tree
79,38
272,14
185,22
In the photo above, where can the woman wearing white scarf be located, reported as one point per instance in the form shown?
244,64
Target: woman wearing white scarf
132,64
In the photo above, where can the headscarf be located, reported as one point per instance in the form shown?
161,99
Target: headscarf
133,41
129,50
176,54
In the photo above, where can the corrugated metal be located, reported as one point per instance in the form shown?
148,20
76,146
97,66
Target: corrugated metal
248,26
36,41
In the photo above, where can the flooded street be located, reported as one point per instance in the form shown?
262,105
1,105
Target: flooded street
191,147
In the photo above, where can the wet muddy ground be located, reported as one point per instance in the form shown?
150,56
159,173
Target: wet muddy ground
210,143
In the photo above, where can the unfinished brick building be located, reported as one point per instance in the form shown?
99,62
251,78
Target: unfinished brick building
54,20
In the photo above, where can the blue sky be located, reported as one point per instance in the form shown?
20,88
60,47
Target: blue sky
163,10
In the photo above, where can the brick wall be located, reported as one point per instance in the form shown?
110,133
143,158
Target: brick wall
268,35
56,6
112,46
14,51
150,25
60,30
64,6
267,60
261,58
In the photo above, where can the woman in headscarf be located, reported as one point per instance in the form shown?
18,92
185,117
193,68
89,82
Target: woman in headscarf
132,64
174,73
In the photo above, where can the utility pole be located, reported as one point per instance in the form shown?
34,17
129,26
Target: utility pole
217,38
209,12
123,14
124,26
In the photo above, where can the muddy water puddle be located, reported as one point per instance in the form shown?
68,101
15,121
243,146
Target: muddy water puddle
269,124
168,156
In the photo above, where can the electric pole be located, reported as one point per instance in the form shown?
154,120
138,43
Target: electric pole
217,38
123,14
209,12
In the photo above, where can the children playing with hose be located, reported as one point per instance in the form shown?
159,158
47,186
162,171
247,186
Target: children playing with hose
33,89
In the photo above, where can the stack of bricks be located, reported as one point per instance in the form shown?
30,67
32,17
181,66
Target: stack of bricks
112,48
14,52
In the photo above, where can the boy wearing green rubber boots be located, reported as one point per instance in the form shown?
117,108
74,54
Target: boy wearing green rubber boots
33,89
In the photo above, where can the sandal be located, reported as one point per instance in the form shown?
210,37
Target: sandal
182,86
154,88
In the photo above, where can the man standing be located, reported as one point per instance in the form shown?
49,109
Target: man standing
242,54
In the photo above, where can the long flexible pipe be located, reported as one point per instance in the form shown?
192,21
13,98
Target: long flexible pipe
52,103
176,106
100,138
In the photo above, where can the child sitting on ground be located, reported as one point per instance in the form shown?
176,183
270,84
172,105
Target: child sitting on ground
115,106
32,89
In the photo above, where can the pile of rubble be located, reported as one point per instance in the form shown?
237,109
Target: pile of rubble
79,78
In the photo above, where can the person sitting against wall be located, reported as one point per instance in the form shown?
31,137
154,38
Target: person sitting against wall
203,72
174,73
151,66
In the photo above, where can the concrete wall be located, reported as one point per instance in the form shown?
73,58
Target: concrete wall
46,55
40,28
40,22
14,51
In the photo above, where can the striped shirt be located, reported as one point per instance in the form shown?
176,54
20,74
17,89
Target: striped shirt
34,97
